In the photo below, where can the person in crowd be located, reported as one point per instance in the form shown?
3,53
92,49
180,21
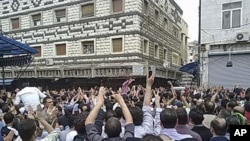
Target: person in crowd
169,120
196,118
9,125
80,127
113,125
218,128
29,96
181,125
209,107
247,111
27,128
143,118
70,127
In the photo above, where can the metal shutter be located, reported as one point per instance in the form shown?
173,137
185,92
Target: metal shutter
219,74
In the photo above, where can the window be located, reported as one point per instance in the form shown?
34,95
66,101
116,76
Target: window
117,6
175,58
88,47
36,19
60,49
88,10
117,45
156,16
165,54
231,15
15,23
145,7
165,24
145,46
38,48
175,32
60,15
156,51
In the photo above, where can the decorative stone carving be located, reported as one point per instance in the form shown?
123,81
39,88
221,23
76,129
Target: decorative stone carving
15,5
36,3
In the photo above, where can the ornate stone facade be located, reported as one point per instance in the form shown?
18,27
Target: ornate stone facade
150,34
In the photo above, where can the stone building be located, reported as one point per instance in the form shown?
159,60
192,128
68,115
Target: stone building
97,38
225,49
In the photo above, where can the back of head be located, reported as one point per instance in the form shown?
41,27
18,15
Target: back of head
149,137
231,104
109,114
196,116
219,126
79,123
232,120
247,106
26,129
137,115
209,106
118,112
224,103
224,113
182,116
113,127
168,118
8,118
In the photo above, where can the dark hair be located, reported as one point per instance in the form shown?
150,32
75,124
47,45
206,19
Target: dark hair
149,137
118,111
218,109
231,104
182,116
5,108
232,120
209,106
168,118
71,121
247,106
79,123
8,117
219,126
108,104
196,116
137,115
45,99
26,129
224,113
224,103
109,114
113,127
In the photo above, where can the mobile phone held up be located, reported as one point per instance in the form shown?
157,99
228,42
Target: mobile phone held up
150,73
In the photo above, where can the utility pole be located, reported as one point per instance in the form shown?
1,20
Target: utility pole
199,47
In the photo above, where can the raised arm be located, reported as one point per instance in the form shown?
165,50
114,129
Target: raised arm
125,110
148,95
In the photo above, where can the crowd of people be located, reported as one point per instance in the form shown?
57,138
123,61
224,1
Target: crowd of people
130,112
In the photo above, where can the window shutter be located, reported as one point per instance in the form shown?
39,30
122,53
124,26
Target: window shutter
15,23
117,5
38,48
60,13
61,49
36,17
117,45
88,10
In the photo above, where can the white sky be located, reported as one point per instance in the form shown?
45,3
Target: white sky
191,16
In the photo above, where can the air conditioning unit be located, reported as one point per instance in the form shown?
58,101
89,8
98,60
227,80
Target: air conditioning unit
166,64
243,36
49,62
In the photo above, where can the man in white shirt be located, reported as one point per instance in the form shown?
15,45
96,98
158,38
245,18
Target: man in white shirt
30,96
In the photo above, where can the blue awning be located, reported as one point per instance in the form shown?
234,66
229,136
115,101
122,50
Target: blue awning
6,82
191,68
10,46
